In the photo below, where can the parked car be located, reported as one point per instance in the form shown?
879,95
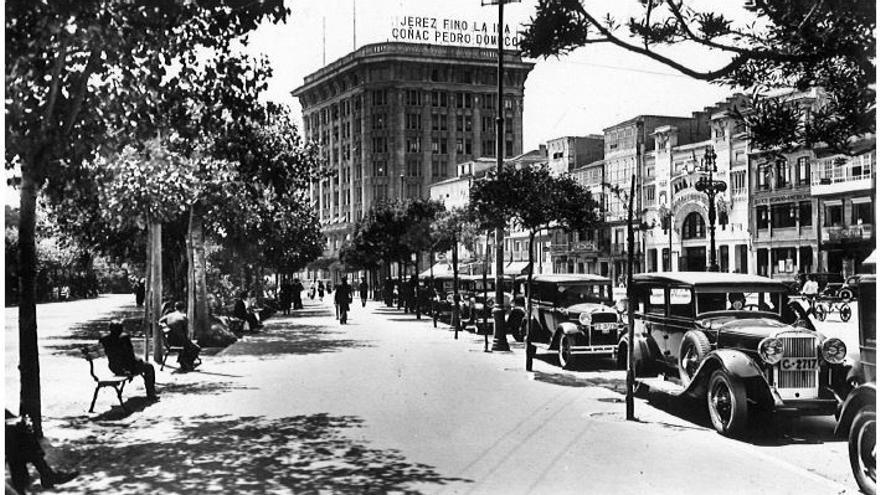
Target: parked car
441,290
729,339
850,288
572,315
475,306
858,416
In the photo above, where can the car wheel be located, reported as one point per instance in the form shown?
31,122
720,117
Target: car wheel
862,457
846,295
694,347
726,399
821,313
845,312
566,358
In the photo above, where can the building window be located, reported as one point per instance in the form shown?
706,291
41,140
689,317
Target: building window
803,166
649,195
694,226
378,121
459,145
413,168
438,122
834,214
380,192
862,211
805,213
435,145
468,147
763,182
413,121
380,144
379,168
508,148
738,182
783,215
488,102
783,174
488,147
438,167
414,144
762,217
488,124
444,145
380,97
463,100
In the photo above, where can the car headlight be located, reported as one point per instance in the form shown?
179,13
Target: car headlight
833,350
771,350
585,319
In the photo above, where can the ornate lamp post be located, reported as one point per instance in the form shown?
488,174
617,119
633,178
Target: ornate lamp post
712,188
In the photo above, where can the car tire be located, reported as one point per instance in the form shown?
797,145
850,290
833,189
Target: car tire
862,442
821,312
694,348
566,358
845,312
726,401
846,294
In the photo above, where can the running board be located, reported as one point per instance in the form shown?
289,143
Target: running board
659,385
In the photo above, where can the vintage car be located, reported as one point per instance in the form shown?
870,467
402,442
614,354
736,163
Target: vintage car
442,300
729,338
572,315
858,416
476,313
850,288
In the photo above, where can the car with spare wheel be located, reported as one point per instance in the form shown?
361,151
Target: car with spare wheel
735,341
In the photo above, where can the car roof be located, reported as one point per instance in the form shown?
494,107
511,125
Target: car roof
703,279
568,277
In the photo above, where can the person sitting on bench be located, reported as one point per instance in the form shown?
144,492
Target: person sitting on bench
23,448
121,359
177,335
240,311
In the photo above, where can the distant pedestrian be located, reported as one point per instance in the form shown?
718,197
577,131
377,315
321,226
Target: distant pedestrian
343,299
140,292
285,297
296,292
810,291
313,287
321,290
364,291
388,292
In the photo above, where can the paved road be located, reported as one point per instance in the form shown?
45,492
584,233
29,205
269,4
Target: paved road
388,404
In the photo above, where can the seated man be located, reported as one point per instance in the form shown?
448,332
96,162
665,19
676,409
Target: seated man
23,448
240,311
177,335
121,359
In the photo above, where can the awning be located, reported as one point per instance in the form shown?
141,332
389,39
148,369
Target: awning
871,259
516,268
440,268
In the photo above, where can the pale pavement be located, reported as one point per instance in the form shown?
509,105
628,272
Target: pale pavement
389,404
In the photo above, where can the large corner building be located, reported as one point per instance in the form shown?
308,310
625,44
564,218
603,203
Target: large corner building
393,118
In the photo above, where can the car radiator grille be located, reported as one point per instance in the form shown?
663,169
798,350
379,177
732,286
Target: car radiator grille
802,346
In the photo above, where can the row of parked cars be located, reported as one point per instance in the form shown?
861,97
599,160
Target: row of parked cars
734,341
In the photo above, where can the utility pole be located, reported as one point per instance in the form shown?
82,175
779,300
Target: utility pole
630,303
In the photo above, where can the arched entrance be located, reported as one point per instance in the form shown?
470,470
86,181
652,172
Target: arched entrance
693,228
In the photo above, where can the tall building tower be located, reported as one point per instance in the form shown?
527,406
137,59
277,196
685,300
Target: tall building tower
392,118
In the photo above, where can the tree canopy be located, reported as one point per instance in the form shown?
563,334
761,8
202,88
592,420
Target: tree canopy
778,44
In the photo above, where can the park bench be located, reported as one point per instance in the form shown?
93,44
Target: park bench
172,348
116,382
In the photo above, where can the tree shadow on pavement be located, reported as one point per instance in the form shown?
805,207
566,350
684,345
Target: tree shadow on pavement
288,338
90,331
301,454
568,380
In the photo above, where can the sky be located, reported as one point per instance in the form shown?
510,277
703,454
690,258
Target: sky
577,94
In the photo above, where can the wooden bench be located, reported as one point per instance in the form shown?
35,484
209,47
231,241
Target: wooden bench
116,382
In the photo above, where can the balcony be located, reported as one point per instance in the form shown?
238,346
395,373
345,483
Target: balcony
850,233
834,175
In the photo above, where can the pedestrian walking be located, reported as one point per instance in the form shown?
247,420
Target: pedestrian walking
285,297
321,290
296,292
343,299
388,292
140,292
363,289
313,287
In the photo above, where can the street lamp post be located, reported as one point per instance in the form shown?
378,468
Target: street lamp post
499,340
712,188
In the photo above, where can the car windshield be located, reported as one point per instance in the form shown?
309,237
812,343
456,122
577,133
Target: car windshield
739,301
582,293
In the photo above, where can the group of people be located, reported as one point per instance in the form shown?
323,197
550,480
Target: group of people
406,294
344,297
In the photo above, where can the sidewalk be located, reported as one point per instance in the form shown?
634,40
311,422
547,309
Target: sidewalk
391,404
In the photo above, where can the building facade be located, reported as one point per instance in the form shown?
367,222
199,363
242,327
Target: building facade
392,118
570,152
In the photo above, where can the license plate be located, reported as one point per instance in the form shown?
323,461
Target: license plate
798,364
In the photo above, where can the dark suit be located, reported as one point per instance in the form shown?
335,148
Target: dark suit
121,360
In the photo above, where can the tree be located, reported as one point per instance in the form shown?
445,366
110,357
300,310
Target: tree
534,199
779,44
86,76
418,216
448,230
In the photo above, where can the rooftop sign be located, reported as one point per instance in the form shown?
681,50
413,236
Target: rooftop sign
446,31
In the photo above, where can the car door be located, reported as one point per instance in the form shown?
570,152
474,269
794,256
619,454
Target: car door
680,318
654,311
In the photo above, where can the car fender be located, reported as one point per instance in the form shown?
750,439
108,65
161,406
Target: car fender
642,350
568,328
861,396
736,364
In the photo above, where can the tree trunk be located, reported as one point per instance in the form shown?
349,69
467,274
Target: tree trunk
156,289
28,353
530,351
415,283
630,303
456,297
197,292
148,300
